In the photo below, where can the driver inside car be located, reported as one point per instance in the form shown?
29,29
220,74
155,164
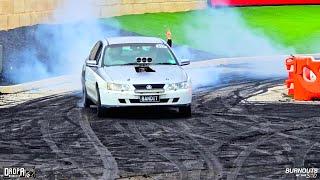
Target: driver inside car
114,56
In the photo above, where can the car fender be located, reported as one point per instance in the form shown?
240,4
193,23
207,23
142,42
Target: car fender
101,79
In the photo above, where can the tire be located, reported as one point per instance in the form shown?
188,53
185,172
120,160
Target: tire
100,109
86,101
185,111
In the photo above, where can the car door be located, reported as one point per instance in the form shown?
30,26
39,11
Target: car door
90,72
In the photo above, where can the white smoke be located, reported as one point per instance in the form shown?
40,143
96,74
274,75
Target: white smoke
74,39
203,77
223,32
61,48
64,47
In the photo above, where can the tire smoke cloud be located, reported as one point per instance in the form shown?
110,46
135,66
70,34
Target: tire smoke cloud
59,49
227,35
62,48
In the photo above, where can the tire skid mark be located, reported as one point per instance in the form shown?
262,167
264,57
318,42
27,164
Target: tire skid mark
188,133
279,132
182,169
33,103
25,161
233,138
46,136
34,122
213,127
247,116
211,173
237,100
285,148
255,150
308,150
270,132
303,153
244,155
110,165
11,104
142,140
298,160
233,98
212,161
248,150
285,129
238,93
68,118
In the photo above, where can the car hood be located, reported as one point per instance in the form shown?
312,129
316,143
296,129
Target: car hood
163,74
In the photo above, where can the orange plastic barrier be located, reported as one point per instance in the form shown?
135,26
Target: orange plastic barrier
290,64
303,82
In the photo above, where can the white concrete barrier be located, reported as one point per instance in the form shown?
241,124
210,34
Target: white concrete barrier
60,84
260,65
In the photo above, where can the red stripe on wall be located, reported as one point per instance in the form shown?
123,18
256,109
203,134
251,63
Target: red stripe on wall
260,2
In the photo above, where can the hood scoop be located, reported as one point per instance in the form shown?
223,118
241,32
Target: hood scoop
144,65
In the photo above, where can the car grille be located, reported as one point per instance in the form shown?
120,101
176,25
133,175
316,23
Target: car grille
144,86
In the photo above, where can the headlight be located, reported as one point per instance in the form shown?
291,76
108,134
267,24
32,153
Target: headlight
176,86
117,87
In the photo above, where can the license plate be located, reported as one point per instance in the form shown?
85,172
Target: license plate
149,99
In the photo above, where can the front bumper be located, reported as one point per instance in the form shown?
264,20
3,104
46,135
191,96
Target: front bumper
131,98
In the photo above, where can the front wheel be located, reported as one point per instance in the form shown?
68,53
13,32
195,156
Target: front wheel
185,111
86,101
100,109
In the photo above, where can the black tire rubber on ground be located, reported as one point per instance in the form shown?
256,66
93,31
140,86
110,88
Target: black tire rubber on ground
100,109
86,102
185,111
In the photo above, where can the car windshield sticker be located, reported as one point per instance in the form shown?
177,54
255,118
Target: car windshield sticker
126,48
146,48
161,46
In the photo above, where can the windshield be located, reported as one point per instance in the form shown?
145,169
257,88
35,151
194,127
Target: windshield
126,54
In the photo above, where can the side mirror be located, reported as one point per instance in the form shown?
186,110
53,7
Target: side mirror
91,63
184,62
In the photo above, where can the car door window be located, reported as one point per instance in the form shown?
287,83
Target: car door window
94,51
99,52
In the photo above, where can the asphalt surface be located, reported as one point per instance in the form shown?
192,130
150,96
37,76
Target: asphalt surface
226,138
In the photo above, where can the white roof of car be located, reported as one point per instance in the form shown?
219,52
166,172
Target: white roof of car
133,39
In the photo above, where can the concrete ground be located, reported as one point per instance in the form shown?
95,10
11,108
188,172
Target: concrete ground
233,133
